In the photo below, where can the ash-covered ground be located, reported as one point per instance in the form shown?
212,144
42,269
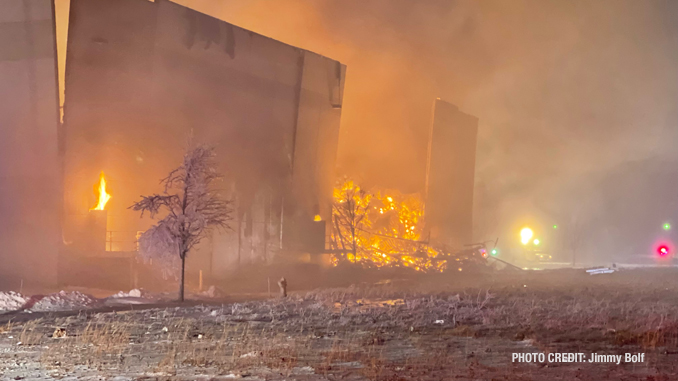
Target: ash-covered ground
438,328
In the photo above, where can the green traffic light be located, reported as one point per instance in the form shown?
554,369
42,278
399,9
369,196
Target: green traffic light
667,226
555,226
494,251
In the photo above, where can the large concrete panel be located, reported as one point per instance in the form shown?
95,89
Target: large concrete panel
450,178
142,76
30,196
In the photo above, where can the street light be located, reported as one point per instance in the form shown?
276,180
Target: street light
526,235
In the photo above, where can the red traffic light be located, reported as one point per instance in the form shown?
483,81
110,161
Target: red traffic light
663,250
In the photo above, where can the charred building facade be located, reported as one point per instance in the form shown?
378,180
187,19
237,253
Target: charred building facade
142,78
30,196
451,175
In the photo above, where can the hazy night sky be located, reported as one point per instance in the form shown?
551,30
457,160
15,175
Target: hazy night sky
561,88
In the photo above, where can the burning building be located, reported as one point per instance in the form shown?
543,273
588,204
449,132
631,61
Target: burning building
450,176
143,78
29,119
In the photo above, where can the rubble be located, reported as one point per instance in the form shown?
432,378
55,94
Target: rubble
602,270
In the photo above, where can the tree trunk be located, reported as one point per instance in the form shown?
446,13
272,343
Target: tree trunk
183,270
354,249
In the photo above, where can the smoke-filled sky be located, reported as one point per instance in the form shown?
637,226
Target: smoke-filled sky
561,88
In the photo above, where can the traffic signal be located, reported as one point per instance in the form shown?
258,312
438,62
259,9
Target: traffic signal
663,250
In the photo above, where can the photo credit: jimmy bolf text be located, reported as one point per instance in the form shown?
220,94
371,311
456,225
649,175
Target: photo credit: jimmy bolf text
540,357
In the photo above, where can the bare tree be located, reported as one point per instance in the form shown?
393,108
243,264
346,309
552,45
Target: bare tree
192,206
349,216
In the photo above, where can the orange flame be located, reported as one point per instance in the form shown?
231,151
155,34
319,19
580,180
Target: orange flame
103,196
392,227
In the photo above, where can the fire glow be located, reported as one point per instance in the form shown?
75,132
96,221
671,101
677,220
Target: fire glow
101,192
390,233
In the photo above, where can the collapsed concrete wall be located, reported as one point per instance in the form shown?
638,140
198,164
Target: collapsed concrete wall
30,196
142,76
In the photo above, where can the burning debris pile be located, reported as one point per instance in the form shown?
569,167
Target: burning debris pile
385,230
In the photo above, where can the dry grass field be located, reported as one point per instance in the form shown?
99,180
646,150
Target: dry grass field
434,328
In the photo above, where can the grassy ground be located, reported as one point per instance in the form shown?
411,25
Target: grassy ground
435,328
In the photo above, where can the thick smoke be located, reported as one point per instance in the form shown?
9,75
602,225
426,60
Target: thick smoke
567,92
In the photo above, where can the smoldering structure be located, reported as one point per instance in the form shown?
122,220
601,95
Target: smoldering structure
30,192
143,78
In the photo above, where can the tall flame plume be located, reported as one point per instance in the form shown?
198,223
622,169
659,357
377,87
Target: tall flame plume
103,196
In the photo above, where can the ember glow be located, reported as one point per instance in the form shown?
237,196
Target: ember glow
100,190
386,228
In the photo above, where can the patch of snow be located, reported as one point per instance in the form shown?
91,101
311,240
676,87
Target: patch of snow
11,301
136,293
305,369
212,292
63,300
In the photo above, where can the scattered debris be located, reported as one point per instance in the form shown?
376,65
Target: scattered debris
380,303
602,270
59,333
